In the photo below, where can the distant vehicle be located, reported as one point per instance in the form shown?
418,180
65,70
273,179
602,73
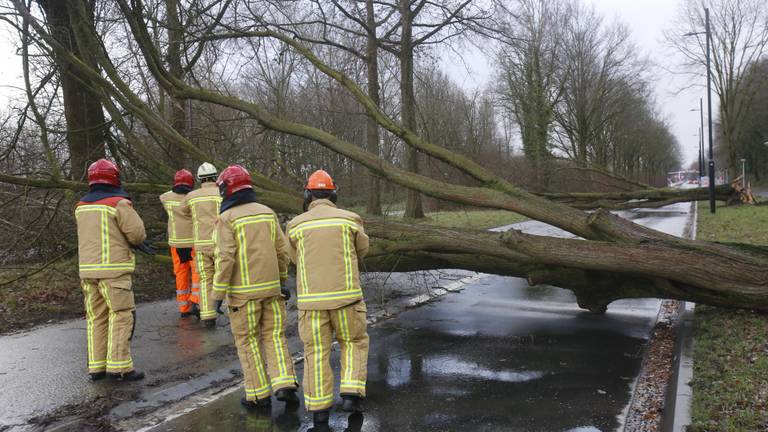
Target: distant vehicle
683,179
705,181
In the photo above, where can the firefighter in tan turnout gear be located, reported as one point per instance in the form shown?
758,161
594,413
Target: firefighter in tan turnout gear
107,229
251,268
180,242
326,244
202,205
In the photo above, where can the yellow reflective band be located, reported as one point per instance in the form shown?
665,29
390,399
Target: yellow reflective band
302,265
204,312
254,343
242,255
318,353
112,266
261,391
97,363
347,258
335,295
284,379
208,198
220,287
266,286
323,223
247,220
122,363
276,339
90,318
347,343
95,208
111,320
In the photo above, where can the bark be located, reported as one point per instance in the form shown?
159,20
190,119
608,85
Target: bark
372,128
619,260
178,111
413,205
86,125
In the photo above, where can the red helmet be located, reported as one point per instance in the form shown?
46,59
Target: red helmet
103,171
234,178
320,180
183,177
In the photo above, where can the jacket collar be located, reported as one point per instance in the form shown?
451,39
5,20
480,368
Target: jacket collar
208,184
325,202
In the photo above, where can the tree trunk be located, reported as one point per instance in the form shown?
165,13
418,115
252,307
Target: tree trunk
178,111
413,206
86,125
372,128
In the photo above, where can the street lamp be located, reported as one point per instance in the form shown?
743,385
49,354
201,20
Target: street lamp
711,163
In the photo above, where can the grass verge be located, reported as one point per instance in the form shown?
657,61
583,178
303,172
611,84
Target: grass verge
478,219
54,294
730,358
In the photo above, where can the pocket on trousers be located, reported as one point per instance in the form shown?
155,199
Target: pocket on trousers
121,294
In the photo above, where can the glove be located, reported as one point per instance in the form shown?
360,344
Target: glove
218,307
185,254
146,248
285,292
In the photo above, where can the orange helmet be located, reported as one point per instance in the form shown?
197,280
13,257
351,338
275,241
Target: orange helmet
320,180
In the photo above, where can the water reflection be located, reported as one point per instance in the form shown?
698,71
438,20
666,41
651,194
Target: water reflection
451,366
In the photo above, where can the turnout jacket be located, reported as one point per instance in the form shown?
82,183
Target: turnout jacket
251,254
326,244
179,223
106,230
202,205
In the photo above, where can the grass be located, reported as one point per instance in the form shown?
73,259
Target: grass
478,219
54,294
730,359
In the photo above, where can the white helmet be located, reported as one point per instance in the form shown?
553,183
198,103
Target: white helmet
206,170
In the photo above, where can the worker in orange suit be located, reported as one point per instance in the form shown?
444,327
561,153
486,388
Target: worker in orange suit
181,242
326,244
108,229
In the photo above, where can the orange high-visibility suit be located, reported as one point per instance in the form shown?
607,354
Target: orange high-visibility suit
326,244
180,237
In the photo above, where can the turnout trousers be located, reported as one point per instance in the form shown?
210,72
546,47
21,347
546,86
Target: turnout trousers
187,281
110,314
205,268
259,329
316,329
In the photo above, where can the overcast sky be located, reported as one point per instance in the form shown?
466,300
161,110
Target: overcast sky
646,19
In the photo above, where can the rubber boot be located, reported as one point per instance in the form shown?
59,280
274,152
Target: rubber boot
195,310
352,403
128,376
320,421
185,314
287,395
260,404
98,376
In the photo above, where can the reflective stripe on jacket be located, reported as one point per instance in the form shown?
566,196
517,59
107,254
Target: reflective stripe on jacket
106,229
179,224
326,244
202,205
251,254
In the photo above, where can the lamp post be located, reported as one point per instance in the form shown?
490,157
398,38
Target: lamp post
711,161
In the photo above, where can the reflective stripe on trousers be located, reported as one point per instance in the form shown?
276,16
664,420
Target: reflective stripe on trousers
316,328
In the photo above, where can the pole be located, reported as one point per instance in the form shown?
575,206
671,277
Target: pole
701,139
711,165
744,173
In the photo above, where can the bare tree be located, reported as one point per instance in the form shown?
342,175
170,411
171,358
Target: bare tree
739,31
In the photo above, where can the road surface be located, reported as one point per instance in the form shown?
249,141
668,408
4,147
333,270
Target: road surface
498,356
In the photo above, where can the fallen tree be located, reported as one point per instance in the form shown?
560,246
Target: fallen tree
617,259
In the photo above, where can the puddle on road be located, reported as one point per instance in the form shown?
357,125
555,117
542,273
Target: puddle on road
508,369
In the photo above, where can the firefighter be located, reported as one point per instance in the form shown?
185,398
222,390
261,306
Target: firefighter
180,242
202,206
251,269
107,229
326,244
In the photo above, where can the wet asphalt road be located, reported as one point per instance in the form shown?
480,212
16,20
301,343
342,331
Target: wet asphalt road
498,356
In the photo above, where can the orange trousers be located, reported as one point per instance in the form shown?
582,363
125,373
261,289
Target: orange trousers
187,282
